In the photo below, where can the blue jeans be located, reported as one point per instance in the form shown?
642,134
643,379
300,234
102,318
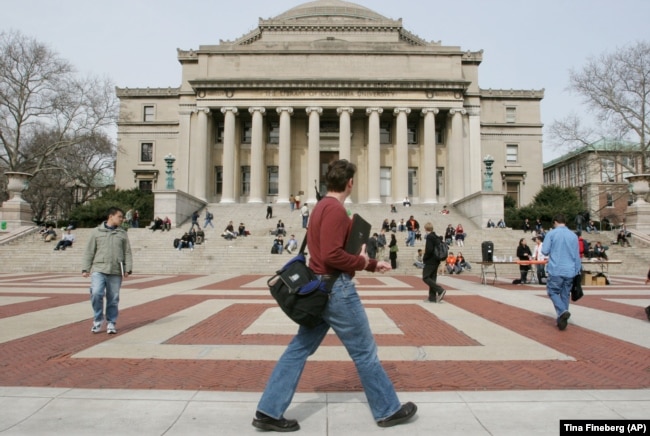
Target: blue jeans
346,315
410,240
558,289
109,285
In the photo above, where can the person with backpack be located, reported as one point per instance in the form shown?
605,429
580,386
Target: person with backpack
435,250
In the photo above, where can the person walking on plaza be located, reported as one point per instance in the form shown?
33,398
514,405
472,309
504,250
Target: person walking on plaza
304,212
561,247
344,313
412,226
431,265
107,260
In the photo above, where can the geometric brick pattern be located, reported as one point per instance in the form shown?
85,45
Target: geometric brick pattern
578,358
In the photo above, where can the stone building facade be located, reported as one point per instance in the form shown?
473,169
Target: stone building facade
258,119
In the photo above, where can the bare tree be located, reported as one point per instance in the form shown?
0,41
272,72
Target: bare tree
41,97
615,87
75,175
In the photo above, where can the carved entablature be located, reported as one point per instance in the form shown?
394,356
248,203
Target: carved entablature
147,92
513,93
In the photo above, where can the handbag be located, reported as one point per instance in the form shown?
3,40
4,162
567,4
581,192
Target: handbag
301,295
394,249
576,288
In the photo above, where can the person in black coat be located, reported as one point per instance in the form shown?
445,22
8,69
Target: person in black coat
371,246
524,253
392,248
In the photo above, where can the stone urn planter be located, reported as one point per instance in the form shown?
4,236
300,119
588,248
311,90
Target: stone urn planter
17,182
640,187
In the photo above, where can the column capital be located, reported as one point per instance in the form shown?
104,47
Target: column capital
430,110
399,110
453,112
205,110
370,110
257,109
229,109
340,110
318,110
285,109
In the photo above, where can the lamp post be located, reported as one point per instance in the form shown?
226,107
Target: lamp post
487,182
170,159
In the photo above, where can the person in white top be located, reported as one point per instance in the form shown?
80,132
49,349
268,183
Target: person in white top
537,255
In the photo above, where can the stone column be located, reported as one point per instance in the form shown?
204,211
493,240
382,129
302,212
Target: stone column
257,156
456,166
401,152
374,196
183,157
228,162
199,156
474,151
429,167
313,153
284,154
345,132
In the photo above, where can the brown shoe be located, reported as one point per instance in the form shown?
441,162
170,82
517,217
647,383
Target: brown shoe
405,413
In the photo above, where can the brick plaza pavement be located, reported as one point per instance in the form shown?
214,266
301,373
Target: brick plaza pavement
221,333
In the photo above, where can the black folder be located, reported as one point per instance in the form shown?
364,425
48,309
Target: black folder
359,234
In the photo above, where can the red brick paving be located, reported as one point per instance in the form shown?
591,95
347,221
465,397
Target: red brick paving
601,362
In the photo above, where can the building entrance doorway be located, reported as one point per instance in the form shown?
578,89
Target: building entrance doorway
326,157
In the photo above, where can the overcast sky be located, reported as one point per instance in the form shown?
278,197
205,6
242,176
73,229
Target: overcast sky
528,44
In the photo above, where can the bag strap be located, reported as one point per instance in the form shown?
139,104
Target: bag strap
303,245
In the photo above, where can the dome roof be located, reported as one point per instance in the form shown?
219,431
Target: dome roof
330,8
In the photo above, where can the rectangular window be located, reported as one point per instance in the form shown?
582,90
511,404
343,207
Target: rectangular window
385,179
610,200
272,175
512,153
512,191
628,167
511,114
218,127
412,132
607,170
384,132
148,114
440,181
572,174
218,177
246,132
245,180
439,137
563,177
274,132
413,182
145,185
146,152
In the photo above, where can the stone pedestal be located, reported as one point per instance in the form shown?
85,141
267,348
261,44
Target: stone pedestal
16,212
637,216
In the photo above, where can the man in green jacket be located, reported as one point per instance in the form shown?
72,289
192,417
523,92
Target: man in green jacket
108,258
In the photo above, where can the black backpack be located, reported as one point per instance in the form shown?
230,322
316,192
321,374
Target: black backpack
440,249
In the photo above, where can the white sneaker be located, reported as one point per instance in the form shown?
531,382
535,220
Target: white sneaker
97,326
111,330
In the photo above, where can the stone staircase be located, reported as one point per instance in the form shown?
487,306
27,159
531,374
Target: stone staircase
154,254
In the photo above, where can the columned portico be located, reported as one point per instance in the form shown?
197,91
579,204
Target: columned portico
199,152
257,155
373,158
228,193
401,171
456,156
313,152
428,162
474,163
284,154
345,132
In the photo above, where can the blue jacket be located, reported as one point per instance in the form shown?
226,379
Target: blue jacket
561,246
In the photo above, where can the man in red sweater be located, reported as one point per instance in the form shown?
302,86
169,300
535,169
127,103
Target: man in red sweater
329,228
